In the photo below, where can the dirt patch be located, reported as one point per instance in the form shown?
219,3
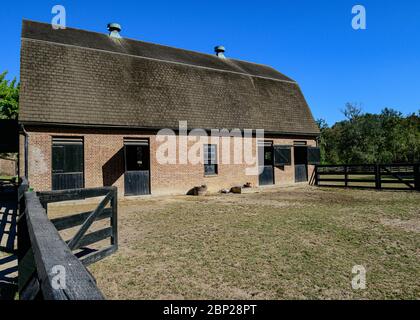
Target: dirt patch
411,225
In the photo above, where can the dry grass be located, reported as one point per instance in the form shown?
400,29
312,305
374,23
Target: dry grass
290,243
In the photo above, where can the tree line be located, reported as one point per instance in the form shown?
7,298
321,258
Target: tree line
9,97
365,138
9,104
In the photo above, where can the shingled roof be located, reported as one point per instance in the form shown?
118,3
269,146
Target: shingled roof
77,77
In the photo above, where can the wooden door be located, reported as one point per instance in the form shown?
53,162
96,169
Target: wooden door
137,168
265,155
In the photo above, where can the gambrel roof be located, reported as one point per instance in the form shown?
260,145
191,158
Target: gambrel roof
77,77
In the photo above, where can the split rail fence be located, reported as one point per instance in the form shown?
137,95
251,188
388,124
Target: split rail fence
377,176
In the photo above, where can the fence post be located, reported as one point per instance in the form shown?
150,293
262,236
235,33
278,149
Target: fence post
114,218
316,175
346,176
416,170
23,242
378,176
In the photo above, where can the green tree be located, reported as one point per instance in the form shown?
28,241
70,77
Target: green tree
327,143
364,138
352,111
9,97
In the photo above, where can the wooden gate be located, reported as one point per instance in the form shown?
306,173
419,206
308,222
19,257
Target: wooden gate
41,249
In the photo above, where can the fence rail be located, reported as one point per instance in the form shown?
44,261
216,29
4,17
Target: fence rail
378,176
41,249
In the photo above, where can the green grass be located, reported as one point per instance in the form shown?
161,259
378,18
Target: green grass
6,177
290,243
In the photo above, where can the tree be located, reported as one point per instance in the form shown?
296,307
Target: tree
9,104
364,138
325,141
352,111
9,97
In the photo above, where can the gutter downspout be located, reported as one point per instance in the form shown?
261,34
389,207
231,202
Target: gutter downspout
25,133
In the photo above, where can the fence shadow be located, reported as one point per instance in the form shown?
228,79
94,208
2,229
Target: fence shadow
8,277
8,216
8,235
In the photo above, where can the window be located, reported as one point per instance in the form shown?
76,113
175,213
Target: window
282,156
67,163
265,153
268,156
137,155
210,159
314,155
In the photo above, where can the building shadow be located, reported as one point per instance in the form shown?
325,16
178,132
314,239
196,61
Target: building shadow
113,169
312,180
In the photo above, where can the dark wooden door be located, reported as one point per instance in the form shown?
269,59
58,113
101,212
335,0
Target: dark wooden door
137,164
265,152
266,178
301,173
136,183
301,163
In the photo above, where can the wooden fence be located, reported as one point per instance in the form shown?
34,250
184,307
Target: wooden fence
42,251
378,176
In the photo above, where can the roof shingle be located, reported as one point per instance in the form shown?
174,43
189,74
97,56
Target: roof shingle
78,77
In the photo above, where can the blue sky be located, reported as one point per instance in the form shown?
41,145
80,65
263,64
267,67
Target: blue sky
311,41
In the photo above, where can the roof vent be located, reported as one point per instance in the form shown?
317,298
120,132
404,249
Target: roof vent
220,51
114,30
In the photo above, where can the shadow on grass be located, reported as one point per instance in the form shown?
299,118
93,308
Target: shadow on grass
8,234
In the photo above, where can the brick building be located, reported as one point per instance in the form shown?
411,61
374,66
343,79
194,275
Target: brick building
92,104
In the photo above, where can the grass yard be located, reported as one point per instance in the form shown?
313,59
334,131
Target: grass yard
285,243
6,177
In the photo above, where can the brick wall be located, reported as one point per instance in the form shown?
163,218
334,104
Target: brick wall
7,167
104,162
